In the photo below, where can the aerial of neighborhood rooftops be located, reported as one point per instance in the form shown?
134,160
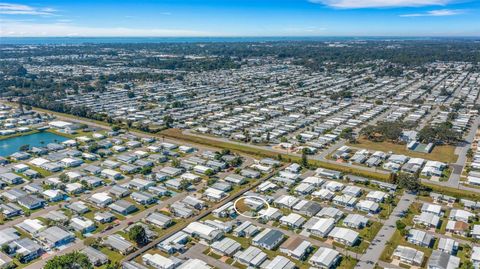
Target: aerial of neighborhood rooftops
267,165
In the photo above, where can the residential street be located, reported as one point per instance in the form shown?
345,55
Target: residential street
373,253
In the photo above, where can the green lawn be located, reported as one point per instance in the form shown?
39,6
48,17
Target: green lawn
112,255
444,153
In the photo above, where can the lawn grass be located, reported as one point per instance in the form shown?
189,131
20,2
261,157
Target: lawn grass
441,153
246,149
113,256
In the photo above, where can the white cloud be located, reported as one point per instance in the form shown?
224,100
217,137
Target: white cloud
380,3
436,13
12,28
17,9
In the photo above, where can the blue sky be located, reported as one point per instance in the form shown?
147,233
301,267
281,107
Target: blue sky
240,18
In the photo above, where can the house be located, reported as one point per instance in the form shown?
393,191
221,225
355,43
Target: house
74,188
475,257
420,238
31,226
476,231
174,243
308,208
331,212
225,247
457,227
160,262
304,189
427,219
442,260
101,199
431,208
376,196
111,174
31,202
203,231
324,194
171,171
78,207
251,256
70,162
353,191
194,202
82,225
119,191
345,236
249,173
96,257
355,221
8,235
268,239
408,255
313,180
117,243
26,249
10,210
345,200
11,178
132,265
333,186
325,258
270,213
55,237
13,194
448,245
143,198
246,229
328,173
296,248
159,219
460,215
53,195
235,179
104,217
123,207
56,216
293,220
286,201
213,194
280,262
368,206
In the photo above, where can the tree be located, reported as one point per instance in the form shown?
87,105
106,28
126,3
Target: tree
409,182
137,233
209,172
130,94
25,147
175,162
304,157
114,265
168,121
6,248
74,260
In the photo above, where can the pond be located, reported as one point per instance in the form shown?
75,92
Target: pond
41,139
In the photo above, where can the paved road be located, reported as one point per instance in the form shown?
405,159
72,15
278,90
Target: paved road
203,214
462,150
196,252
320,157
380,241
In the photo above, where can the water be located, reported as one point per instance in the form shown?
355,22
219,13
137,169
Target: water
12,145
126,40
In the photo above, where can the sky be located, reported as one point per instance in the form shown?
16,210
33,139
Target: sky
232,18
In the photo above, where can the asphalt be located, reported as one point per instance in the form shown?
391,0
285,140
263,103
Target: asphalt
374,251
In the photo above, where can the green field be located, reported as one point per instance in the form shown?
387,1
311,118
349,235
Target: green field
444,153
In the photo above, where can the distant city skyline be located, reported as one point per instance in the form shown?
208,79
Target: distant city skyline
233,18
